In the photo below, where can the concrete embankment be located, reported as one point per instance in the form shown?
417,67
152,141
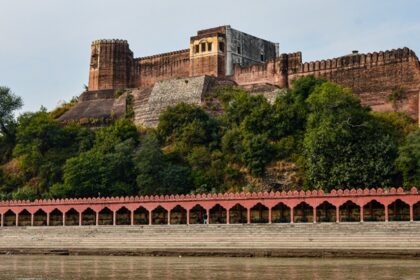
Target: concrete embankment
373,240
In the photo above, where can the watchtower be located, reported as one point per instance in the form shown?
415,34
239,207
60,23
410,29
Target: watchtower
110,65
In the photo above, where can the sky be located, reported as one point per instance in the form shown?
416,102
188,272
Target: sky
45,44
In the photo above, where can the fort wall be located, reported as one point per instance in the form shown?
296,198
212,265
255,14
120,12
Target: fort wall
151,69
110,65
374,77
274,71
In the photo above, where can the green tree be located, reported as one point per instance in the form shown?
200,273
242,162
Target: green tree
9,103
344,146
149,162
188,124
399,125
156,175
104,165
107,137
94,173
43,146
290,110
257,152
408,161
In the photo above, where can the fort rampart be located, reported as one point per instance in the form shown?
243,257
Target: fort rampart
387,81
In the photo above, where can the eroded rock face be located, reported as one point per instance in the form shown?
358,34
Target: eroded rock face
96,105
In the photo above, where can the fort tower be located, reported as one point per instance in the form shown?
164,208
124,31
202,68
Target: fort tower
110,65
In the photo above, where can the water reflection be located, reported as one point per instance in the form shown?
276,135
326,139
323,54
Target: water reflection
93,267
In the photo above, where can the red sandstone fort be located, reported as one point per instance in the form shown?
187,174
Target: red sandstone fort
385,81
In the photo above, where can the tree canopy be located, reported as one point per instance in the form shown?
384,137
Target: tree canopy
317,127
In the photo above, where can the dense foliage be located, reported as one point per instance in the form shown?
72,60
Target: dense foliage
317,126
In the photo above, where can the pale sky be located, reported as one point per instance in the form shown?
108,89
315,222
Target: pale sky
45,44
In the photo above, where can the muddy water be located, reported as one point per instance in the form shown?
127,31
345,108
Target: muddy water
109,267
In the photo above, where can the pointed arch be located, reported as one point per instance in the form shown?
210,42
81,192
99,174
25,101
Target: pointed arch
349,212
24,219
123,216
72,217
374,212
105,217
303,213
56,218
259,214
178,215
326,213
198,214
159,216
88,217
398,211
280,213
217,215
40,218
416,211
238,214
9,219
141,216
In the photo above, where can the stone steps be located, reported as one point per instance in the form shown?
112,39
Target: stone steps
372,236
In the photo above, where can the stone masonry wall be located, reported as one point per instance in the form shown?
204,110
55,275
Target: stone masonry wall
373,76
149,70
110,65
149,103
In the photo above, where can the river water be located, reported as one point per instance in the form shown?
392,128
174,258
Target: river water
112,267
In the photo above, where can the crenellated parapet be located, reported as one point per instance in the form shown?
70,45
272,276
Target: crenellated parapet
150,69
164,55
109,41
360,60
355,205
360,193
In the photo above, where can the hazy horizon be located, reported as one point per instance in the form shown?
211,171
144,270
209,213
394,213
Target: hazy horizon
45,46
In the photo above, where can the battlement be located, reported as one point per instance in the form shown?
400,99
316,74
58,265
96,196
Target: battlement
164,55
360,60
309,194
109,41
220,29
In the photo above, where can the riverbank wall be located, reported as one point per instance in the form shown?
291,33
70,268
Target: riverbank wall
361,240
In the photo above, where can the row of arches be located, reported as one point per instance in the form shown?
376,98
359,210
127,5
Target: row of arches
238,214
